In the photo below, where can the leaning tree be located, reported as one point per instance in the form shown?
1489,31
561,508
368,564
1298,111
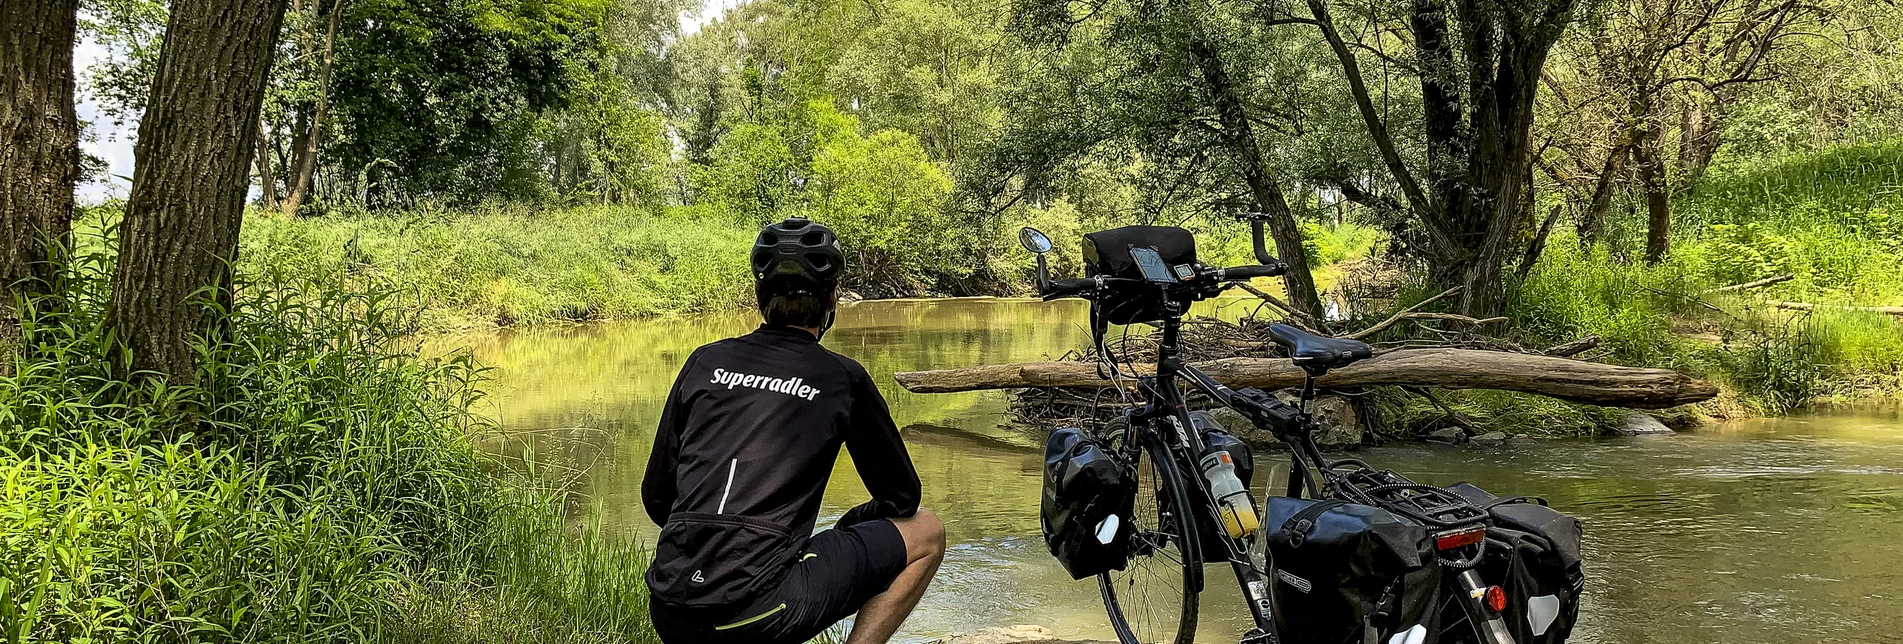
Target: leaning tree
179,237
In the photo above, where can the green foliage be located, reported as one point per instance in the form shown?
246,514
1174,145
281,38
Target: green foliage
1328,245
1824,219
441,98
886,200
316,486
516,265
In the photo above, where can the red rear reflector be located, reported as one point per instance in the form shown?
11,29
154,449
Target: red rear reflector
1458,539
1496,599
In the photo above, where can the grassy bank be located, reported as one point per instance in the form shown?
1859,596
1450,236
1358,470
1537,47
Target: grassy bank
314,485
1832,221
502,266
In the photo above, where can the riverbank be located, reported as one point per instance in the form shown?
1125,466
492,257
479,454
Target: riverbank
316,483
503,266
1822,228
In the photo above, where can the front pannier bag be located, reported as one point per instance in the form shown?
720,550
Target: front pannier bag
1534,551
1088,499
1346,572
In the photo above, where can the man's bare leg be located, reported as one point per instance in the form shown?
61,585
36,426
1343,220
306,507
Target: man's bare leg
924,548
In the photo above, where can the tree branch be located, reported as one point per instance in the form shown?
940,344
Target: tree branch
1377,129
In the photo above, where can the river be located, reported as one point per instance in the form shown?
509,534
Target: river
1769,530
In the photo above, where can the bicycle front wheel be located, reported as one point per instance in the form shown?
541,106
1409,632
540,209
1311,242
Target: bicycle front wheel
1153,599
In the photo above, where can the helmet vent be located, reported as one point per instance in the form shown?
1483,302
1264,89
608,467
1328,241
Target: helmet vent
815,238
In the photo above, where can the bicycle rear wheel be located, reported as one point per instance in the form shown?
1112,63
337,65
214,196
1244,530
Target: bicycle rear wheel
1153,599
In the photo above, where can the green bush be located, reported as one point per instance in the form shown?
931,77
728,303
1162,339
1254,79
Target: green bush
314,485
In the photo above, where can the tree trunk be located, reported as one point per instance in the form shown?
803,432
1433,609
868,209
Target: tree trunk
1592,223
267,178
1658,204
1479,85
39,154
196,139
312,140
1269,198
1564,378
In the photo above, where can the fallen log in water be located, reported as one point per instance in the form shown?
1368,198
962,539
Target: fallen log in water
1574,380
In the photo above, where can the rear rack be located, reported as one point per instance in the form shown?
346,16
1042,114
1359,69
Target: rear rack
1355,481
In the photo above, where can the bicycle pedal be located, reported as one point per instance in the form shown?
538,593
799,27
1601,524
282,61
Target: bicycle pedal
1256,636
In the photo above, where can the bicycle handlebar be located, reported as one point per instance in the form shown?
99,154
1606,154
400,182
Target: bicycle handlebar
1239,273
1085,286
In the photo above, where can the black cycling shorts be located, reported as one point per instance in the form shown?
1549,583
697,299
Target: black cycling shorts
839,570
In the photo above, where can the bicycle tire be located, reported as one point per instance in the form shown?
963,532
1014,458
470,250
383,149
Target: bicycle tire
1169,503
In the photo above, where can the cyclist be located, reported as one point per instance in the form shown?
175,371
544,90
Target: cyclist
746,443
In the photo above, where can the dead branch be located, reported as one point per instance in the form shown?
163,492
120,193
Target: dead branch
1806,306
1751,285
1396,318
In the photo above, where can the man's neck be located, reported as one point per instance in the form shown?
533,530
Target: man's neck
809,329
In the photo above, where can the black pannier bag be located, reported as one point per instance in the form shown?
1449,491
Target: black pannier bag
1107,254
1088,498
1214,438
1533,553
1346,572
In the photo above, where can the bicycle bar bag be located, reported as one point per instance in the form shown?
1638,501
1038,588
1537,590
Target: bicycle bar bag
1346,572
1088,498
1533,553
1107,254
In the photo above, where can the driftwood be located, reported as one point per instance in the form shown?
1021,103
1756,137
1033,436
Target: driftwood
1397,317
1574,348
1574,380
1806,306
1751,285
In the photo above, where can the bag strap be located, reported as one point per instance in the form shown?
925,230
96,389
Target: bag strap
1297,527
1516,499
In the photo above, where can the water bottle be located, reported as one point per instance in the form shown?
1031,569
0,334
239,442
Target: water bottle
1232,499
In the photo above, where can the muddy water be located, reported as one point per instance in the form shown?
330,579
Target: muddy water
1763,531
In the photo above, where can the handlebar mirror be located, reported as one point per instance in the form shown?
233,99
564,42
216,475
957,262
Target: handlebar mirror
1034,240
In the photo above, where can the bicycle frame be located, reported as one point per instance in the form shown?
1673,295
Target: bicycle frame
1165,406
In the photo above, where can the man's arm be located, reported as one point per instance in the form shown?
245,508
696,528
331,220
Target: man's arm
658,485
879,455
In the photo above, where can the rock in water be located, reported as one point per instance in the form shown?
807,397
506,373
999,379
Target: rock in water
1638,423
1450,436
1341,428
1490,439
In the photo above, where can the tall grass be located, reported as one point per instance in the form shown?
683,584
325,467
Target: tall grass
1833,221
314,485
509,265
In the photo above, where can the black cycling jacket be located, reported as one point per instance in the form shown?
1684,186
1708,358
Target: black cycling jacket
746,444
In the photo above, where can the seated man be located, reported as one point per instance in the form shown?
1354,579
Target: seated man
747,442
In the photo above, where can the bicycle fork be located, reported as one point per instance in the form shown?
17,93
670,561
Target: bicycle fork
1255,587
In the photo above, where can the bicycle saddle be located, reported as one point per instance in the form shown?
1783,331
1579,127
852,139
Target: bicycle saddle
1319,353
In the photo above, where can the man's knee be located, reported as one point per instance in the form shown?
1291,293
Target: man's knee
924,534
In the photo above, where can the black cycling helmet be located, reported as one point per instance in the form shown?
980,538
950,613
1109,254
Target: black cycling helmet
796,256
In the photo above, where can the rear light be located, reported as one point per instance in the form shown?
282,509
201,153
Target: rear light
1458,539
1496,599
